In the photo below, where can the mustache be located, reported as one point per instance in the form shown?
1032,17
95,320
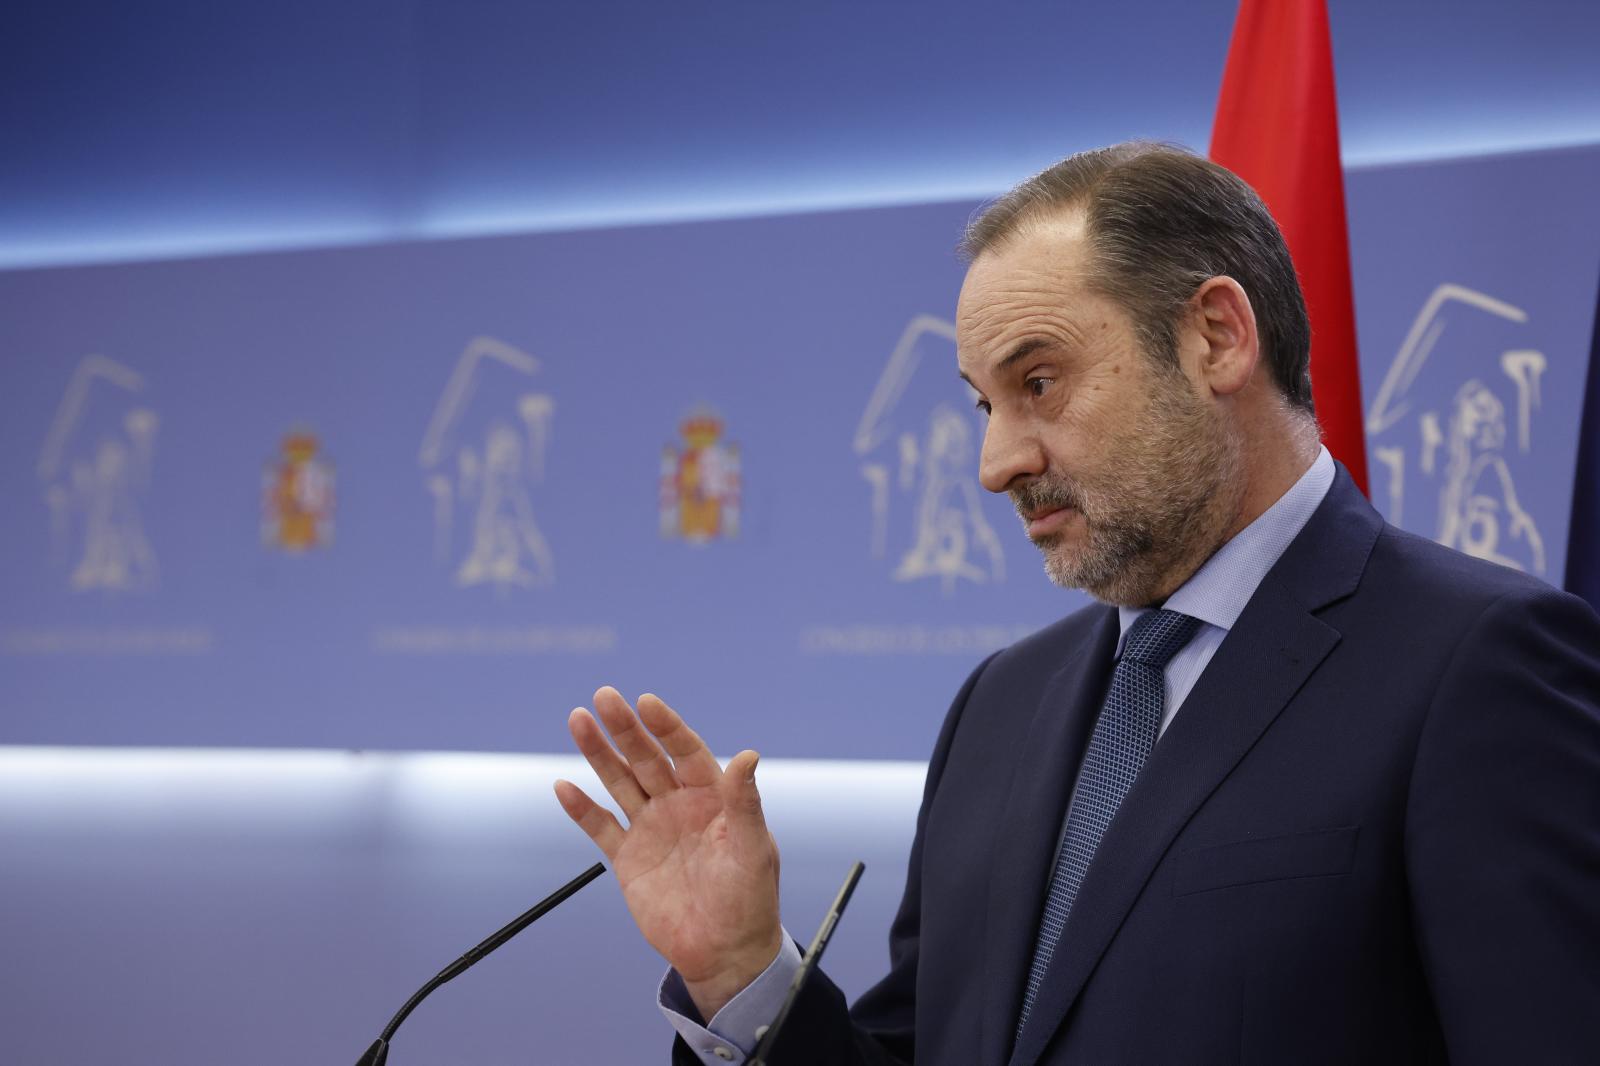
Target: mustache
1045,494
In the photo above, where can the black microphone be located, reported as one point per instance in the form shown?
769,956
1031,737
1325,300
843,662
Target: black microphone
378,1053
769,1033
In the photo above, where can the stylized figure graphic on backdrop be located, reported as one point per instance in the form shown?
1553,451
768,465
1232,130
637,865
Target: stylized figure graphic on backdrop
951,538
297,497
947,501
1464,457
507,547
1479,500
484,462
700,483
96,465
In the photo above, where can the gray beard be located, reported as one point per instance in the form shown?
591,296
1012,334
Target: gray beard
1162,510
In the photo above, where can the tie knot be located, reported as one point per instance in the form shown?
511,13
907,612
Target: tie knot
1156,636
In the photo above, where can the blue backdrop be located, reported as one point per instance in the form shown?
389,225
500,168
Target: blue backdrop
505,442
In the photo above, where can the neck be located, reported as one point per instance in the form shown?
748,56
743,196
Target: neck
1271,468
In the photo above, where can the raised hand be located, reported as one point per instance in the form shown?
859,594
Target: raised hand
697,866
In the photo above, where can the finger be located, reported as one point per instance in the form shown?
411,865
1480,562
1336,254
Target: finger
645,758
694,762
746,823
608,766
601,825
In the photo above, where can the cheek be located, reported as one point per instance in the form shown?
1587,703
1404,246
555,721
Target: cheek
1076,442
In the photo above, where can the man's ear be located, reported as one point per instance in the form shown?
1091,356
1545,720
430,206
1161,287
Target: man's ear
1224,339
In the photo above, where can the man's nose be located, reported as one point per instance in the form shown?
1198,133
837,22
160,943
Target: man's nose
1009,452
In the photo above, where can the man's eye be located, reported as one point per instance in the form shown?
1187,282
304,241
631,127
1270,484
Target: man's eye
983,405
1038,385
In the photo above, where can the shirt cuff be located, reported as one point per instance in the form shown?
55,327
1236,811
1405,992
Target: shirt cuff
733,1032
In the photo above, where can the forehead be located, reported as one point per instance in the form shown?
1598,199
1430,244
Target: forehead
1034,285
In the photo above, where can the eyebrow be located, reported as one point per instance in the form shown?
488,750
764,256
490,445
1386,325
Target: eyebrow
1019,353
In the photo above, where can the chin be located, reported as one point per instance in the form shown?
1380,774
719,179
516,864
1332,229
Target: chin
1067,570
1124,585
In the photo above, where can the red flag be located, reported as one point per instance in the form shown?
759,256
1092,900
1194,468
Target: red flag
1278,128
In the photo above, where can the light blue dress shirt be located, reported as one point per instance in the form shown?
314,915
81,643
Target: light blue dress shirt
1216,594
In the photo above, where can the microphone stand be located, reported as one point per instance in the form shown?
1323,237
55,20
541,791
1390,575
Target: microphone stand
767,1035
378,1053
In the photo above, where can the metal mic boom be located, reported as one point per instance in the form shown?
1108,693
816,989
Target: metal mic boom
378,1053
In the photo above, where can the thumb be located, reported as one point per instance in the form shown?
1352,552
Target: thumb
740,798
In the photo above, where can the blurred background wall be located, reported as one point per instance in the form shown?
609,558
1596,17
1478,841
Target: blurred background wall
358,363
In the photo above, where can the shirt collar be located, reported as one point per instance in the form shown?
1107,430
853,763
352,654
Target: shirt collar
1217,592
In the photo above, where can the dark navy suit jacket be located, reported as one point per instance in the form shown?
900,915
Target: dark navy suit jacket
1371,835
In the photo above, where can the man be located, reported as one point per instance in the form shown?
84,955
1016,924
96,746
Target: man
1369,831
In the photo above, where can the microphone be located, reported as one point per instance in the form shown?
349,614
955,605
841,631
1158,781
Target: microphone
378,1053
769,1033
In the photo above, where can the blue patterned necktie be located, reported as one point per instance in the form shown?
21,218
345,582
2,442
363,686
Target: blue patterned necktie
1123,736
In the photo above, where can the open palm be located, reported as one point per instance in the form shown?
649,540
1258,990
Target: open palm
697,866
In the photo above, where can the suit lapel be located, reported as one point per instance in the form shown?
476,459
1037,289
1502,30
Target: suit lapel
1275,646
1033,815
